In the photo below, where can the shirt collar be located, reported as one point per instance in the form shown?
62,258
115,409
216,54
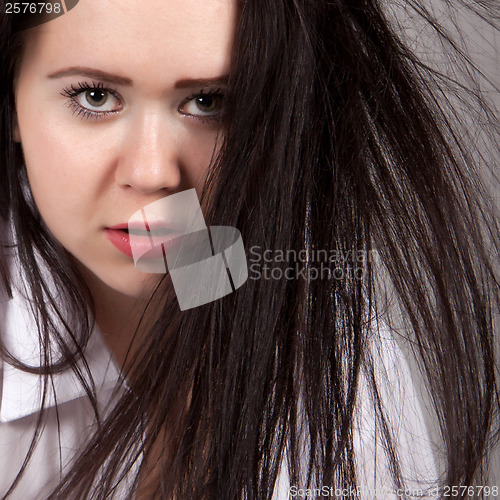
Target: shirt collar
21,392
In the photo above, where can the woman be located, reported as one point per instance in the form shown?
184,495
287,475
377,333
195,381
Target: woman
330,138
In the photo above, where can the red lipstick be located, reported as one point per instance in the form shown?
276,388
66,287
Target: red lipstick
120,239
150,242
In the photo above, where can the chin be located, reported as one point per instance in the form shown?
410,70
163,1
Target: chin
129,282
138,286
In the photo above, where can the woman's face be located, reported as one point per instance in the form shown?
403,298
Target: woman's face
110,117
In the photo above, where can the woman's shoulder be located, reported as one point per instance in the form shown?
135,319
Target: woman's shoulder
390,393
21,390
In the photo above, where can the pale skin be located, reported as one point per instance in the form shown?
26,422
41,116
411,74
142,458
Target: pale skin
144,140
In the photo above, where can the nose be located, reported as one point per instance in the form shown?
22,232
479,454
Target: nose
150,158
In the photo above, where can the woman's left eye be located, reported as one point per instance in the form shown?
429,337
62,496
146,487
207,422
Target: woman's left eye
205,106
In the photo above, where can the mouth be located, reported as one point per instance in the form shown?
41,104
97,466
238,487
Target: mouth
158,232
152,229
148,241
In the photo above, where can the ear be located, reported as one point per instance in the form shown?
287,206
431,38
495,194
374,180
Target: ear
16,133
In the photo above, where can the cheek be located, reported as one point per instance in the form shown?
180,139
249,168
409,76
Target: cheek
64,173
196,160
54,172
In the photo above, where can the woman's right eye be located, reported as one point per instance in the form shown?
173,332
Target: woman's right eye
98,100
94,100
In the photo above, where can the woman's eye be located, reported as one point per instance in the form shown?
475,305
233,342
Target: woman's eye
203,106
92,100
99,100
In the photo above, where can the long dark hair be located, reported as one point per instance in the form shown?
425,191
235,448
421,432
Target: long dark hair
337,137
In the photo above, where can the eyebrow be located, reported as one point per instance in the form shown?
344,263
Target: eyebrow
92,73
122,80
200,82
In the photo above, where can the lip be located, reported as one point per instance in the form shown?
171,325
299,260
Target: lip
146,246
150,226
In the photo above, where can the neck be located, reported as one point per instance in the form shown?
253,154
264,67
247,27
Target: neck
117,315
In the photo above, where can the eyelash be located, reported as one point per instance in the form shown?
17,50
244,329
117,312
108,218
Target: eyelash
72,92
204,93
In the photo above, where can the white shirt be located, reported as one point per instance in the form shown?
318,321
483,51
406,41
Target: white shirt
66,430
21,394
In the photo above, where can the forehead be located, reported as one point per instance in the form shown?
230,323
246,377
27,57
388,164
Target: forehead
143,40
